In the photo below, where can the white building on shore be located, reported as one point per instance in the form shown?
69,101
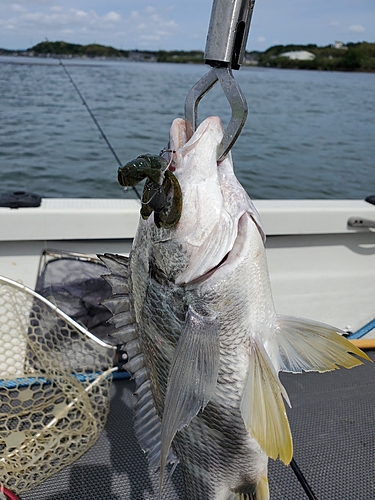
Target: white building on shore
339,45
298,55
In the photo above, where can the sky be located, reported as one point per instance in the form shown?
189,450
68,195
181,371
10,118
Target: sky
180,25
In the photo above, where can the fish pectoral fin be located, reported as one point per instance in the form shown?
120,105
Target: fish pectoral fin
262,406
192,377
306,345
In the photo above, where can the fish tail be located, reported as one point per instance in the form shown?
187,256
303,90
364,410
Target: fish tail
300,345
306,345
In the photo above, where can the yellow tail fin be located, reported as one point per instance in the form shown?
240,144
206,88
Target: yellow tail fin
306,345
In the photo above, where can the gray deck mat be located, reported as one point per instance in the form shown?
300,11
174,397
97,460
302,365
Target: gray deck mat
332,421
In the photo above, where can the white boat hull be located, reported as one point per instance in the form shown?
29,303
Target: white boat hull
320,267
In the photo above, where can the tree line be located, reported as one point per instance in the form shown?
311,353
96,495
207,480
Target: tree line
350,57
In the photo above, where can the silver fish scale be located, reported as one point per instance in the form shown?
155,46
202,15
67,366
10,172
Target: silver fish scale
168,253
217,455
215,449
162,319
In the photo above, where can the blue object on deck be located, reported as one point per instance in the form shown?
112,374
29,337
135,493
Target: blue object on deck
27,381
362,331
120,375
23,382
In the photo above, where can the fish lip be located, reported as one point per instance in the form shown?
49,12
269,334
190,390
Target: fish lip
178,134
179,144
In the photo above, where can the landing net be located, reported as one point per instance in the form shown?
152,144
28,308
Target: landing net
54,387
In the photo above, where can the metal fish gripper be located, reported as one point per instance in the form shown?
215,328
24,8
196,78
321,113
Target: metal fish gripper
225,49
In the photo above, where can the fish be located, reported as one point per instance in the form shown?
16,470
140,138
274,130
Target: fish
193,307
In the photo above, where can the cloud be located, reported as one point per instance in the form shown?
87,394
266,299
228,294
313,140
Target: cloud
150,25
113,17
18,8
357,28
145,24
334,23
261,39
57,18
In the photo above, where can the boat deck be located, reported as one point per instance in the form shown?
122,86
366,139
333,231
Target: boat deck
332,423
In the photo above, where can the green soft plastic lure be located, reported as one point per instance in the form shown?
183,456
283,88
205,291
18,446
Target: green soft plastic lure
161,194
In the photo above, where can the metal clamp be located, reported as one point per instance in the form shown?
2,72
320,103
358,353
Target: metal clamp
228,32
235,98
225,49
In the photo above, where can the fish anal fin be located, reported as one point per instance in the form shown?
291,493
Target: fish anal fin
192,377
262,407
306,345
262,491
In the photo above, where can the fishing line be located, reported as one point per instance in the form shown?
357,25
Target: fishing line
94,120
301,478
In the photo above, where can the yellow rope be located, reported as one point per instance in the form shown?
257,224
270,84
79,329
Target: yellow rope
363,343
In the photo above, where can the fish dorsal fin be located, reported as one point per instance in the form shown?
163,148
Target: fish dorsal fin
262,407
146,421
306,345
192,377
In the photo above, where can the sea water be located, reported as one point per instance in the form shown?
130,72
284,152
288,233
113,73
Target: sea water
309,134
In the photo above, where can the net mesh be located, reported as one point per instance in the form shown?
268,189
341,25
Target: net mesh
54,388
74,283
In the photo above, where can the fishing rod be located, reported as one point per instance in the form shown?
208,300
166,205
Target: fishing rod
94,119
301,478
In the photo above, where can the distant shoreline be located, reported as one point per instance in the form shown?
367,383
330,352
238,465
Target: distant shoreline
354,57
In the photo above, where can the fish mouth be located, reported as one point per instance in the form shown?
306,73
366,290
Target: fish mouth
178,137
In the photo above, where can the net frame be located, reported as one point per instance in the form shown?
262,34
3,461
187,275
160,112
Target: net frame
54,387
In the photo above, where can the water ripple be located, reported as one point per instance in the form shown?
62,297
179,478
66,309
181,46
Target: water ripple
308,135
